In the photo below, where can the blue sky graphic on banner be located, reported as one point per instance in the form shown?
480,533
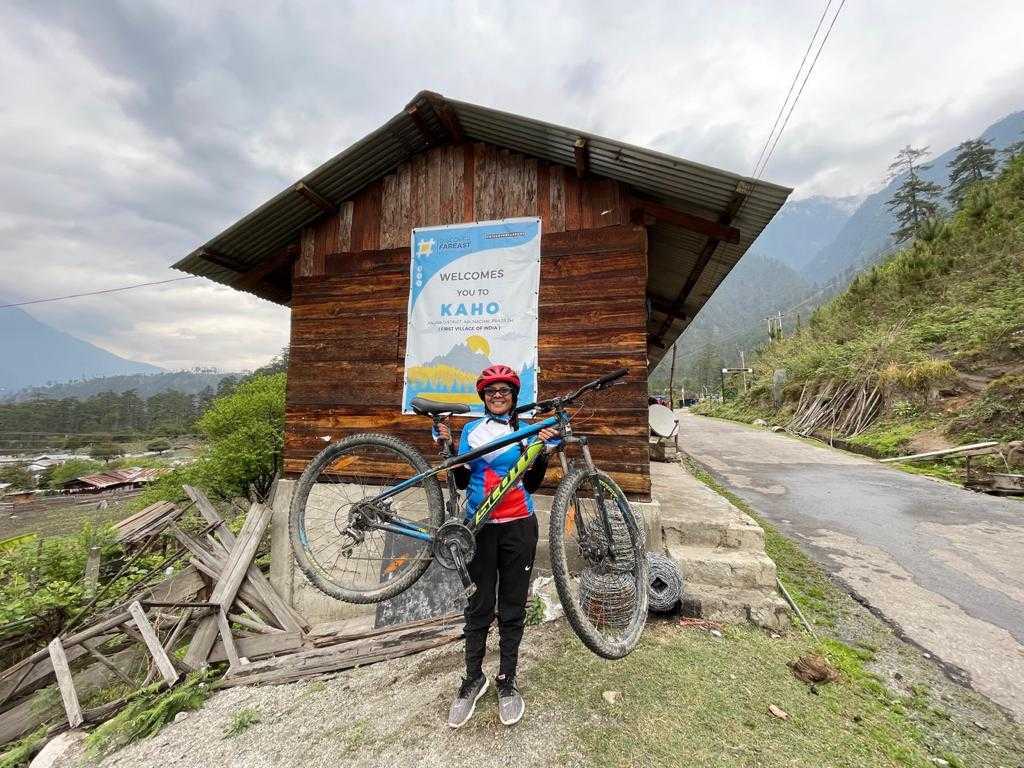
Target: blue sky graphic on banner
472,303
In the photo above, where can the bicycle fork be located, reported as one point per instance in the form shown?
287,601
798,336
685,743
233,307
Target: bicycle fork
598,491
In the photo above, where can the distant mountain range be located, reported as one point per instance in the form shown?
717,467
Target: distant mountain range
804,227
33,353
864,236
145,385
796,262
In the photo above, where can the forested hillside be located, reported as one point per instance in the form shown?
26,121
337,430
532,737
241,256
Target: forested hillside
732,320
937,329
144,385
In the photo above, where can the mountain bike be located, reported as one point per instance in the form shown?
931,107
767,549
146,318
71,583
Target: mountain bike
368,516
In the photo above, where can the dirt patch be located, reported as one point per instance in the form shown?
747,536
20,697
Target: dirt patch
391,713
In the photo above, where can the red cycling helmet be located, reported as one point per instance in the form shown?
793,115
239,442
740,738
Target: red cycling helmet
497,374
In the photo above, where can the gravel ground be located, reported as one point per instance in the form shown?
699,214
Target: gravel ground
387,714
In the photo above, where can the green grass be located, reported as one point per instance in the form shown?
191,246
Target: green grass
148,712
241,721
892,436
690,698
20,753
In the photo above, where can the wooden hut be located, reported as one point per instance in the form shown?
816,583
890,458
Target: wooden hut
633,244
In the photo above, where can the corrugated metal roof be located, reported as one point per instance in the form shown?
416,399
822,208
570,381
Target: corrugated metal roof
680,184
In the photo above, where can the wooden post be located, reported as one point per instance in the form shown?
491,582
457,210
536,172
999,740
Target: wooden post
65,683
92,570
229,641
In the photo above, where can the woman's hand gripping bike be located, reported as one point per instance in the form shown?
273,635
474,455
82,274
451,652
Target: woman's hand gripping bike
368,516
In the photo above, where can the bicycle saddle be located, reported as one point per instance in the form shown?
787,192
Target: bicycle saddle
425,407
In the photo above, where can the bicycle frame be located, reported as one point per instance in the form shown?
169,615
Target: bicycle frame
533,451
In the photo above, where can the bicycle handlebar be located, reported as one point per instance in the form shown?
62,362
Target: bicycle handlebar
597,384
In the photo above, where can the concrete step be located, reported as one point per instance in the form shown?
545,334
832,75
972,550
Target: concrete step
729,605
689,530
737,569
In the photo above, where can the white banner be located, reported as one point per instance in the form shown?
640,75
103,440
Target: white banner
472,303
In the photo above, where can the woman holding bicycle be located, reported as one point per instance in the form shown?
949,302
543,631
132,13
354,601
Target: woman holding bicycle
505,546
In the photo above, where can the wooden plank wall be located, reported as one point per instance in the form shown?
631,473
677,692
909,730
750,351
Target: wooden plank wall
349,306
454,184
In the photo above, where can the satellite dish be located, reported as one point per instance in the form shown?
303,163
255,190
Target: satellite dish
663,422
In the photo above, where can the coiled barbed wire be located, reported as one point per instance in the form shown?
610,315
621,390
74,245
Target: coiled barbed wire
608,598
622,543
664,583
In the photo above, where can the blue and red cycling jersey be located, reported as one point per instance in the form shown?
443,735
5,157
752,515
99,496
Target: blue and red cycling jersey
487,471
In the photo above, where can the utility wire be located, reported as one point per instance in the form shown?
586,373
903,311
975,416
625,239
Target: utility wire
754,172
810,69
96,293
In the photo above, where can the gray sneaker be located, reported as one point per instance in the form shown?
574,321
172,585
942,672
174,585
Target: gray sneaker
465,702
510,702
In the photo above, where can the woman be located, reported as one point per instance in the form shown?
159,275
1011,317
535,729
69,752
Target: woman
505,546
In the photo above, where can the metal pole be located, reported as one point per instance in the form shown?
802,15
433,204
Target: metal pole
672,378
743,365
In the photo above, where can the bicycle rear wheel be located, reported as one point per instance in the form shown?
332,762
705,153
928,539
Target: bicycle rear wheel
335,498
604,596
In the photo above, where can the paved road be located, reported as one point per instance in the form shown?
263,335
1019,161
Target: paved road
944,564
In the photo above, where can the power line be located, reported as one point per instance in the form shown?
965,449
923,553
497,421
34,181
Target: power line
97,293
754,172
810,69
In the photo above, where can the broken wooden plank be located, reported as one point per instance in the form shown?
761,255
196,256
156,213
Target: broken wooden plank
974,449
65,683
156,650
288,618
259,646
331,663
227,640
90,646
231,579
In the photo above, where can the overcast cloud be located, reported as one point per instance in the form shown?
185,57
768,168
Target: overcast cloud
132,132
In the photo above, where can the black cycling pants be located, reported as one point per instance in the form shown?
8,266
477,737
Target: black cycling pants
501,570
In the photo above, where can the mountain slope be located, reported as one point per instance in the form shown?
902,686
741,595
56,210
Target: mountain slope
33,353
802,228
733,319
865,235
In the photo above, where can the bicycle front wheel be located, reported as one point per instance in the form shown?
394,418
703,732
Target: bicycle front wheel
335,503
601,582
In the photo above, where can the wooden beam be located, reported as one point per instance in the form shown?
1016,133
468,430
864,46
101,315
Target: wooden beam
231,578
581,156
221,260
698,224
446,116
414,112
287,617
725,219
156,650
315,197
282,259
665,306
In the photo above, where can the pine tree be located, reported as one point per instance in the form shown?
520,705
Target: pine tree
916,199
975,161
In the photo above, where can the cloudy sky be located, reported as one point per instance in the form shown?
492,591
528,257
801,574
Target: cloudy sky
131,132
